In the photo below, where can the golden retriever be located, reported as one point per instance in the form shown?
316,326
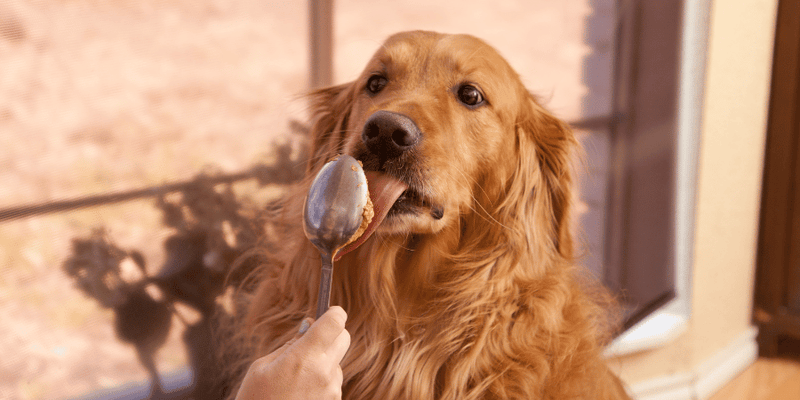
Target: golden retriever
467,288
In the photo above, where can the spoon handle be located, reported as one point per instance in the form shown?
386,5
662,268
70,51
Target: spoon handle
325,280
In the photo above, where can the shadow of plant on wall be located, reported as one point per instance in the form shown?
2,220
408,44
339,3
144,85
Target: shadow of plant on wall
210,249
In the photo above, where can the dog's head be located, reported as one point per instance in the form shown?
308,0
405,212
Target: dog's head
447,124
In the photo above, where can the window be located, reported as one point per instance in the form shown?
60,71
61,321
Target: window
655,141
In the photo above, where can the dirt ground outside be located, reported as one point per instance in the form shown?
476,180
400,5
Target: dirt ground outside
99,96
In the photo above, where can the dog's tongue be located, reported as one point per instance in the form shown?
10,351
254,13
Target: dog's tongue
383,191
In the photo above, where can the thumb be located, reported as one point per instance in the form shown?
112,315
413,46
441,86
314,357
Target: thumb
280,350
307,322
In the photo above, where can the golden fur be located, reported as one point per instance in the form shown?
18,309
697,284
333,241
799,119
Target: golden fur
480,303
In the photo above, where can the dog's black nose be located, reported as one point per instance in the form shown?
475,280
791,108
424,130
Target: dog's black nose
388,134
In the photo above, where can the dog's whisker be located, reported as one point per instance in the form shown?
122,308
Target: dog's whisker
483,212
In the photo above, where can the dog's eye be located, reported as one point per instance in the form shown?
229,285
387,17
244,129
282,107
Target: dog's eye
469,95
376,83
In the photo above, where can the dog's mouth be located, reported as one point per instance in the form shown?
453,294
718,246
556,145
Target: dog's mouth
410,201
391,198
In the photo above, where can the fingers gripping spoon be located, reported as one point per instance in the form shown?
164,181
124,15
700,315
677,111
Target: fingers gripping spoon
333,213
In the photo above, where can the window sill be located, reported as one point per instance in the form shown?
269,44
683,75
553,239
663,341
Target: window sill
658,329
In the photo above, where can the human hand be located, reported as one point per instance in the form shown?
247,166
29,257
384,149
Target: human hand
306,367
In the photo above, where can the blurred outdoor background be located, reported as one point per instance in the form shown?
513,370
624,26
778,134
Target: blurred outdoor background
103,96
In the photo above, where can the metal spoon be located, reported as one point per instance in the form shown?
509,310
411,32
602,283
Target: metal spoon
332,214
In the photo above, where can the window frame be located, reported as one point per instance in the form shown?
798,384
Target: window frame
671,319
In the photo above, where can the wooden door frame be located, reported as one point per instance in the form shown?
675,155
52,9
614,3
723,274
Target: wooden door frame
777,304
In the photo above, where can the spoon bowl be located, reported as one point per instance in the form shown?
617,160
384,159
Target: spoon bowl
332,214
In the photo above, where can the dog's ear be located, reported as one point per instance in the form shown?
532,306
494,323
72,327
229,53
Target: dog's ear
330,111
546,146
